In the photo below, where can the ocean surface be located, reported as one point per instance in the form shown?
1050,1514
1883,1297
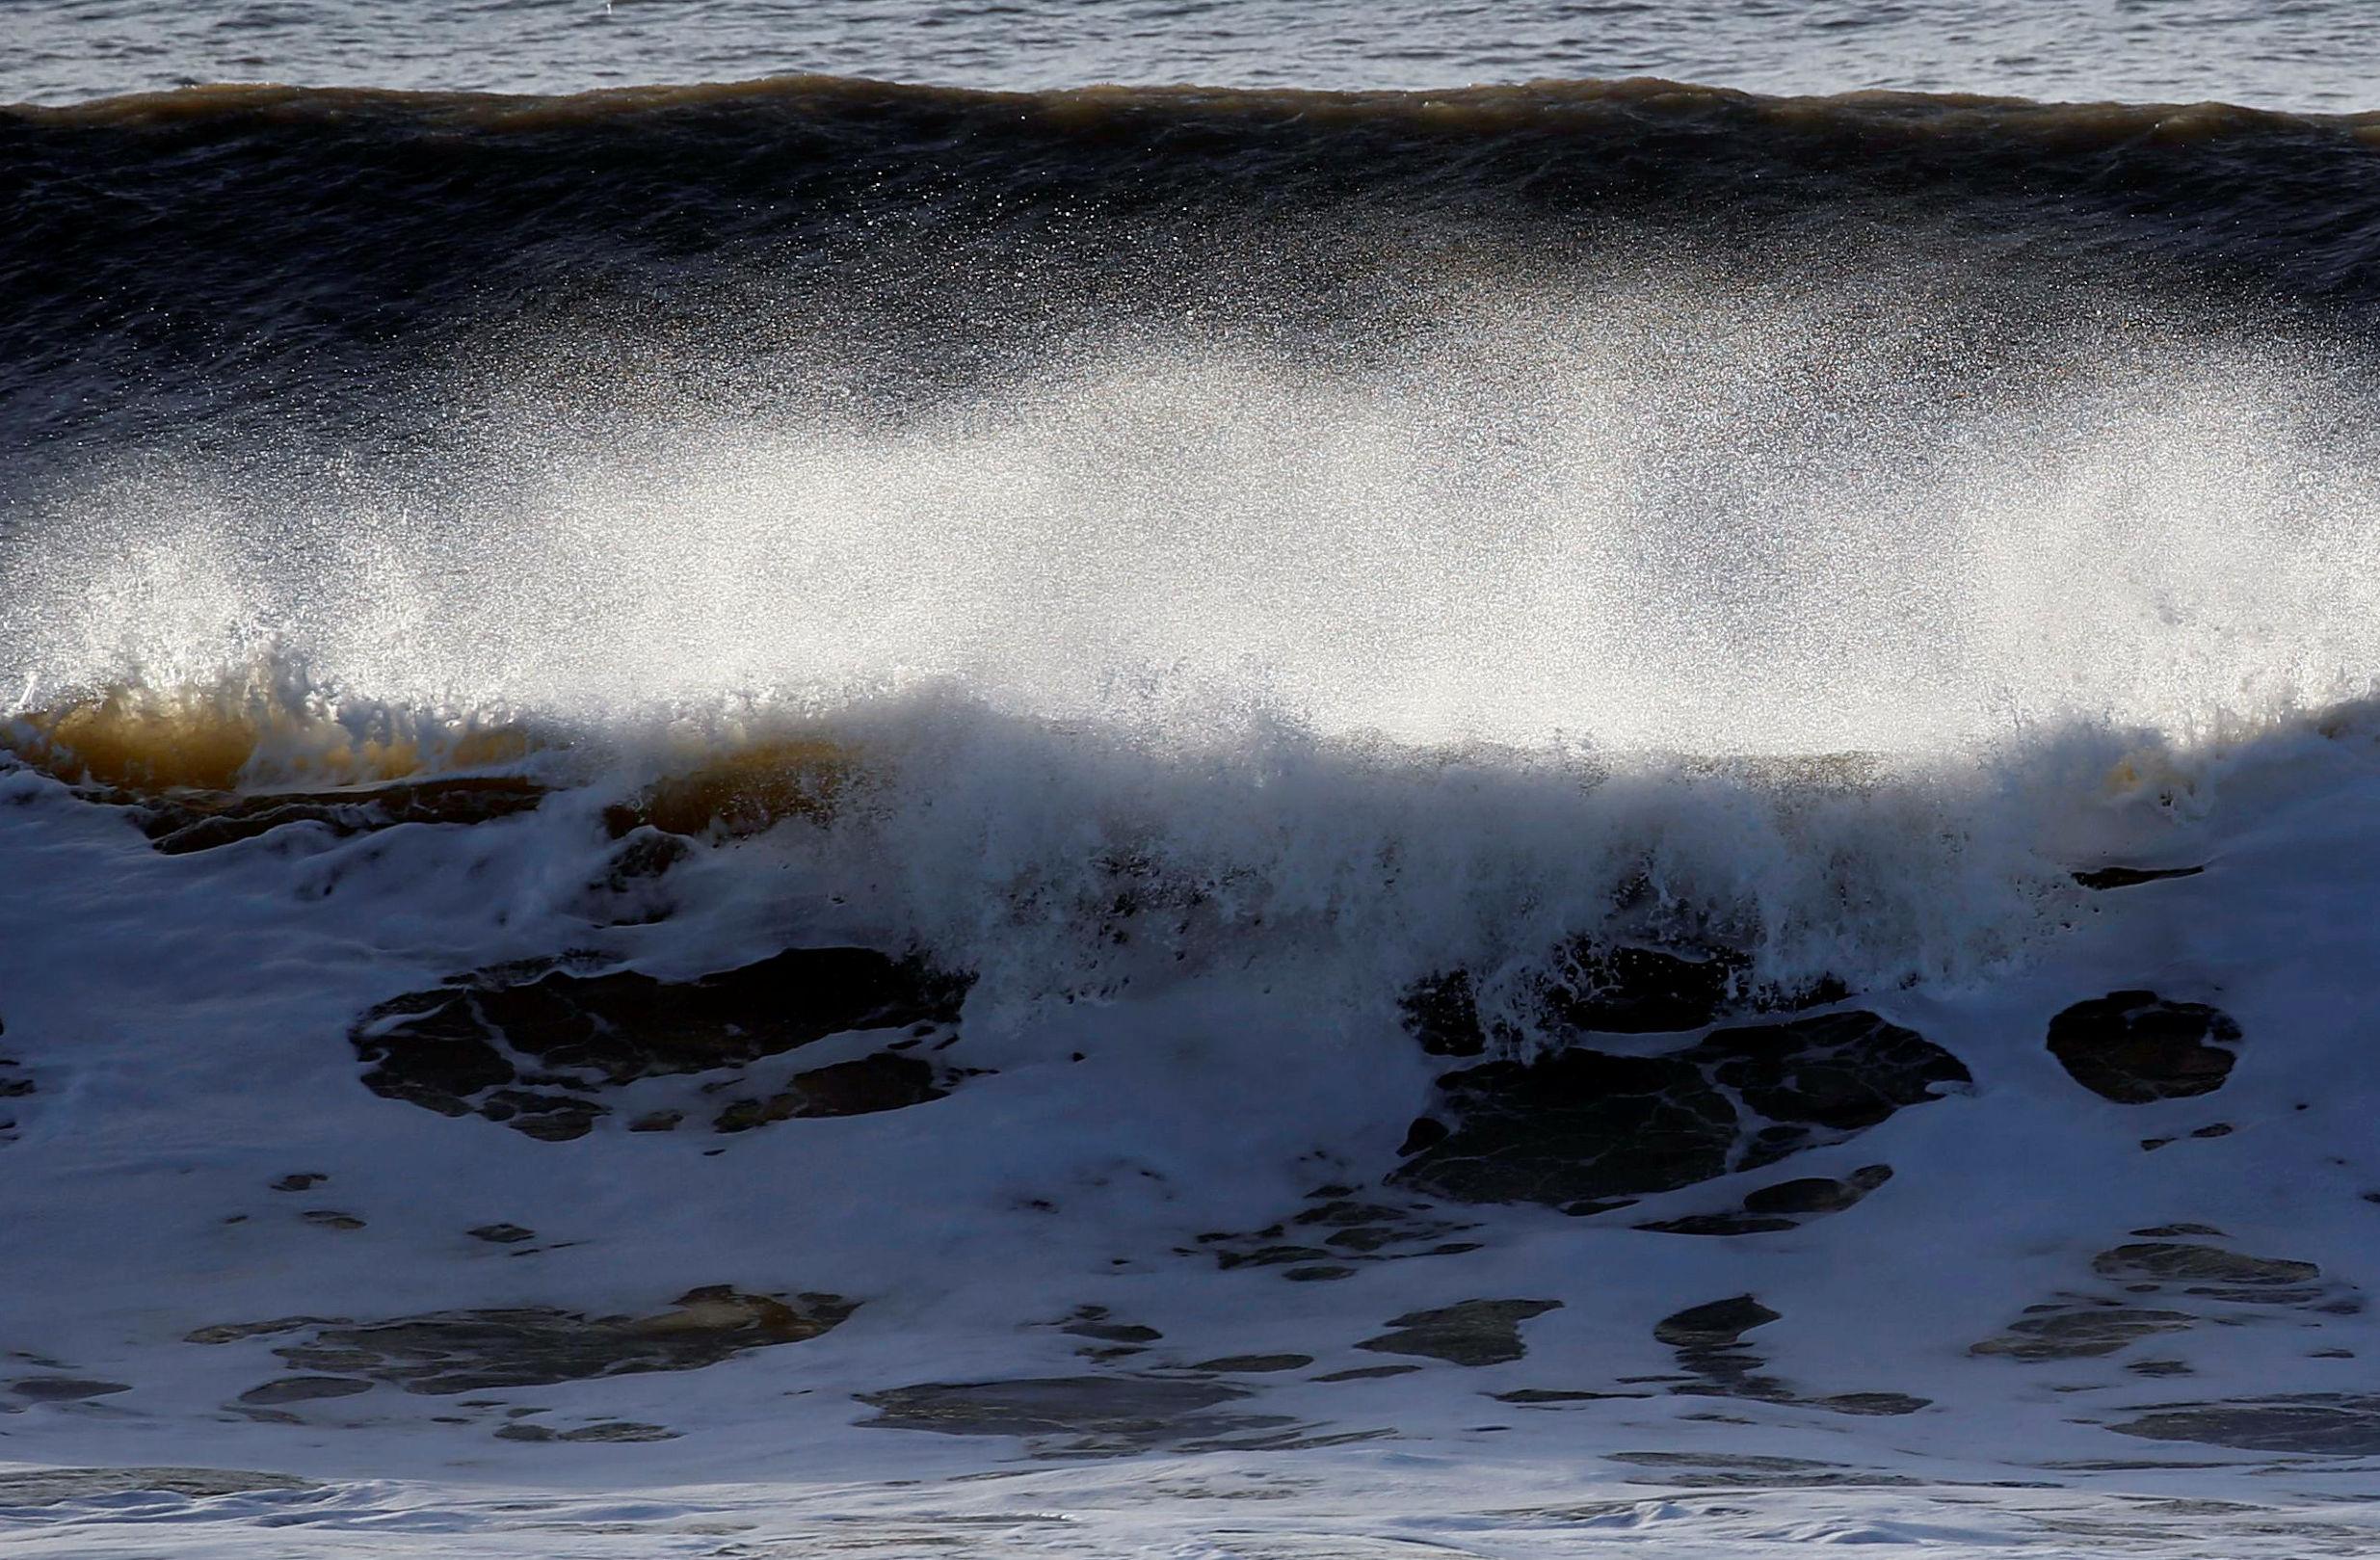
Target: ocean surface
1211,780
2302,55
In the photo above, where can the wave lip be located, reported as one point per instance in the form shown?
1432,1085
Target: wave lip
1587,105
250,733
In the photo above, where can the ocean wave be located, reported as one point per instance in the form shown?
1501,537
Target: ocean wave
324,243
1058,862
1646,102
1437,603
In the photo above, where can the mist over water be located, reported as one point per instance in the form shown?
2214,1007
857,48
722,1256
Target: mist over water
1674,516
1830,620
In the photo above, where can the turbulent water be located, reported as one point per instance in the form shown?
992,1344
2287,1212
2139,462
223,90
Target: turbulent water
964,727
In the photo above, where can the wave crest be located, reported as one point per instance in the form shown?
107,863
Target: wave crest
261,731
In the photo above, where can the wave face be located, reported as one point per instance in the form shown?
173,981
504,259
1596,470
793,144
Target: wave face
235,258
1816,509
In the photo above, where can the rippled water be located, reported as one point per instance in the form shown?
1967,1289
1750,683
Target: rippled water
2311,55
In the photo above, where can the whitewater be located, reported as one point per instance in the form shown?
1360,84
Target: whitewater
823,817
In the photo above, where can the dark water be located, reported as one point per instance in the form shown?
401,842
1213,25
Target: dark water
209,256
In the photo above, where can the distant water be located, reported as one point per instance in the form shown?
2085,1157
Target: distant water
2310,55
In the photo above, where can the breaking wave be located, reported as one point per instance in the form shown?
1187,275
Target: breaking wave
1098,594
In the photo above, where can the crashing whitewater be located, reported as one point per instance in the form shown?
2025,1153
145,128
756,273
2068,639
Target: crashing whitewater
1673,910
